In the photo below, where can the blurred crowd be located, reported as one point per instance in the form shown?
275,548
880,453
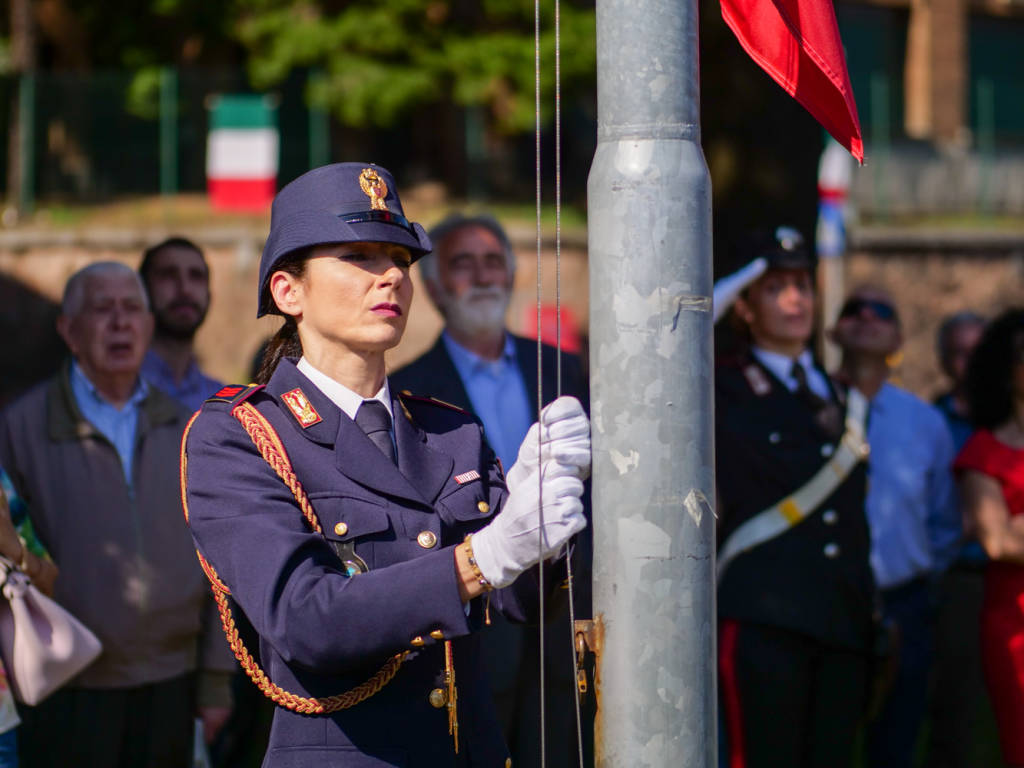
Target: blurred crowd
871,545
91,463
870,579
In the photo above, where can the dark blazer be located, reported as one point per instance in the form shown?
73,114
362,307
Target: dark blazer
514,652
435,374
322,632
815,578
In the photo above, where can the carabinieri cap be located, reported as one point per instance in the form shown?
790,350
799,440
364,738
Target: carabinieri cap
339,203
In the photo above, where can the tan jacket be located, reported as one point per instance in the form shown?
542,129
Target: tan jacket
128,569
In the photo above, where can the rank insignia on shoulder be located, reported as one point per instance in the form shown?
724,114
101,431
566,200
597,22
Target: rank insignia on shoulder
757,380
234,393
466,477
301,408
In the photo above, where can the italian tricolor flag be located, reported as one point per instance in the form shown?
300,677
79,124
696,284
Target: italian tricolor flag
242,152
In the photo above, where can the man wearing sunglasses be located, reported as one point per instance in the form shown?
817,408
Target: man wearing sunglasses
795,593
911,507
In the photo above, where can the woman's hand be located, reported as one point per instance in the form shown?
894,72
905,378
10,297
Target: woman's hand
10,545
517,538
986,514
565,438
42,571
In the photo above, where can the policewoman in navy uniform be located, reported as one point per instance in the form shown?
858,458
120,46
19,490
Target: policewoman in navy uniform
795,591
364,535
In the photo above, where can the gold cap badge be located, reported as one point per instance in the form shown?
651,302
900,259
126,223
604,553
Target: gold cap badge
374,188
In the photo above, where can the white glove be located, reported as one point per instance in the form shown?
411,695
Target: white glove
511,543
565,431
731,286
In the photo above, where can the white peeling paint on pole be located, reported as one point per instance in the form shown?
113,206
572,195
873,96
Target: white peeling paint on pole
651,378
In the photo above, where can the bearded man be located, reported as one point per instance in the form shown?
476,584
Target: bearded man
177,280
478,365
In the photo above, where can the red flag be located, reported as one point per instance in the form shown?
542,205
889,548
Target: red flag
797,43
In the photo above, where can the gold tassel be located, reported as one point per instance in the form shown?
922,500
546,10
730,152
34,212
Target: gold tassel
449,678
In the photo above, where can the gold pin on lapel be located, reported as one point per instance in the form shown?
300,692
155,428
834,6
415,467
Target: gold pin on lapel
301,408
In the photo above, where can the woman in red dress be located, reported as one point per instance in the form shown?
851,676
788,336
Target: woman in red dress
991,472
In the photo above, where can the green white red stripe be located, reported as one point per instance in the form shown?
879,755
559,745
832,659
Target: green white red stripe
242,153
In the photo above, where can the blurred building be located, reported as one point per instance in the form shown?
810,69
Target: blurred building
941,103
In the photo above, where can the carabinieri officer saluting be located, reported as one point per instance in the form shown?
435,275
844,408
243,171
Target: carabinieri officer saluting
795,591
360,532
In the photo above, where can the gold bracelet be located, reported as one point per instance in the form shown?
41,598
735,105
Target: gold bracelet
468,541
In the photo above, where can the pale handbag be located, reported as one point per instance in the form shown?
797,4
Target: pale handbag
43,646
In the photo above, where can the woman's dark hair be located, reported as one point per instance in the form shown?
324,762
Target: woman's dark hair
284,343
989,382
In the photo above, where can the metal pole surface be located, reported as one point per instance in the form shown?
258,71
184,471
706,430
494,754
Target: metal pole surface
649,198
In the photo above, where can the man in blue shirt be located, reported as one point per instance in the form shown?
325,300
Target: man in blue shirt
177,280
911,507
478,365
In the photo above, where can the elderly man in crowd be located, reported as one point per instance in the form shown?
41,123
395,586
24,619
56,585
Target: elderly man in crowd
95,454
911,507
478,365
177,280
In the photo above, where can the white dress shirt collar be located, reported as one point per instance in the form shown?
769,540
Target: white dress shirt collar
781,366
339,394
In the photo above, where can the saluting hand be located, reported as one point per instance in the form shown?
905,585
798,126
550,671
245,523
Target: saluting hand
523,533
565,438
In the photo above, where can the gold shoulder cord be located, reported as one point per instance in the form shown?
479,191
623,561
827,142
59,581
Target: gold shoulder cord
269,445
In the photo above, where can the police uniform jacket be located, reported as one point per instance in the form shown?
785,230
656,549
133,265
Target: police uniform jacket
815,578
323,632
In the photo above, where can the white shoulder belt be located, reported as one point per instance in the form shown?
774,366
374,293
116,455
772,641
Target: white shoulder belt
779,518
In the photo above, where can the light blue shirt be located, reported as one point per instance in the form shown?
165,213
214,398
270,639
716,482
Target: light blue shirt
194,388
498,394
911,503
118,425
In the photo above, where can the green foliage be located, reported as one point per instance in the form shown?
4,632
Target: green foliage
143,98
381,60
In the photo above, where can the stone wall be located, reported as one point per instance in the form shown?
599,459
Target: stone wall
929,276
36,266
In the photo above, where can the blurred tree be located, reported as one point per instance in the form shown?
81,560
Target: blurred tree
382,60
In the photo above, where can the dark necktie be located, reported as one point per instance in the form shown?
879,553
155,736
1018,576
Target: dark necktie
803,390
375,421
826,413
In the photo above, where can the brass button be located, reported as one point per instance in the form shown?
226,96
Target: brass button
484,507
437,634
508,762
438,697
416,642
426,539
341,529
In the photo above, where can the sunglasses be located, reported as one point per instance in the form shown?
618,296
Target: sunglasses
879,309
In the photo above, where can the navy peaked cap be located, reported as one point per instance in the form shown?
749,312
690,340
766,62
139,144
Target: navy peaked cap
339,203
782,247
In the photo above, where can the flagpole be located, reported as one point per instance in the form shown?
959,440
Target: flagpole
649,232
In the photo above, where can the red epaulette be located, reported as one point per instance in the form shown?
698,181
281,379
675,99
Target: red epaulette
234,394
405,394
